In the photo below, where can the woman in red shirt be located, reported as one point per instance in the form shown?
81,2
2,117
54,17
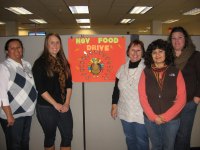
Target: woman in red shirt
162,95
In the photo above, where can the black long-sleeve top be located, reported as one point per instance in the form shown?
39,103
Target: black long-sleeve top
48,84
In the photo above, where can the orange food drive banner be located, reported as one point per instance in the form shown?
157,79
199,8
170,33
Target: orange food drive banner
95,59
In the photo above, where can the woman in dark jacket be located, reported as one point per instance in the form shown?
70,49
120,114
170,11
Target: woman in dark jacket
187,59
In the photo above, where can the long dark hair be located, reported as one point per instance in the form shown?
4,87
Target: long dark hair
61,55
160,44
188,41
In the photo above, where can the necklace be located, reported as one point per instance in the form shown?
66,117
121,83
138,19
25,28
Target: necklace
27,71
131,75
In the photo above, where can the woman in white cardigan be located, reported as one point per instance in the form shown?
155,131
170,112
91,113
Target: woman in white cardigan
125,98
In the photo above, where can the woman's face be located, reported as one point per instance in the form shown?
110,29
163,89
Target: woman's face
178,41
53,45
135,53
158,56
15,51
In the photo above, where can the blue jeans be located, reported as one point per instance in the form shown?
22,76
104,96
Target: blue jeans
49,118
185,129
17,136
136,135
162,136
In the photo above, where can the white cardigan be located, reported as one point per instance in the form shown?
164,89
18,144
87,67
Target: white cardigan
129,108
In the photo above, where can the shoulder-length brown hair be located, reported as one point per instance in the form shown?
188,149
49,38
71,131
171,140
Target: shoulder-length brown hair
135,42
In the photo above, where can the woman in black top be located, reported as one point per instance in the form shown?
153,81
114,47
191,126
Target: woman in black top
53,81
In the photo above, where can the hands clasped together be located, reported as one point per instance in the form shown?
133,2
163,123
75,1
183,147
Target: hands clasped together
61,108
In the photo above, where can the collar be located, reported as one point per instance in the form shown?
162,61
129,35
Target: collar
134,64
14,63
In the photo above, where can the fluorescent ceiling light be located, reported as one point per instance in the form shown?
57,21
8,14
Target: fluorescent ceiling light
148,28
1,23
79,9
85,27
124,21
140,9
194,11
19,10
170,21
38,21
83,20
143,31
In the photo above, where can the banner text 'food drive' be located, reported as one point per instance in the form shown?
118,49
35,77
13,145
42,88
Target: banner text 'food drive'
95,59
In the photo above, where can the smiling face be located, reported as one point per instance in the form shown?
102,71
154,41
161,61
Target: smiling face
53,45
158,56
178,41
15,51
135,53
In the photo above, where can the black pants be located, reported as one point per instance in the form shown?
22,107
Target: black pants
18,135
49,118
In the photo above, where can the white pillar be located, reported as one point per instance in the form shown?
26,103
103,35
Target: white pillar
11,29
156,27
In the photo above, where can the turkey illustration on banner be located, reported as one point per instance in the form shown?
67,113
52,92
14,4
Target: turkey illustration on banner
95,59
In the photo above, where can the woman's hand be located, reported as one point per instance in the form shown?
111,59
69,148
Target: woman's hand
58,106
197,100
64,108
114,111
9,115
10,120
159,120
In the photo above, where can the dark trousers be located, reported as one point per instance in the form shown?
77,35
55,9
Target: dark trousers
18,135
184,133
50,119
